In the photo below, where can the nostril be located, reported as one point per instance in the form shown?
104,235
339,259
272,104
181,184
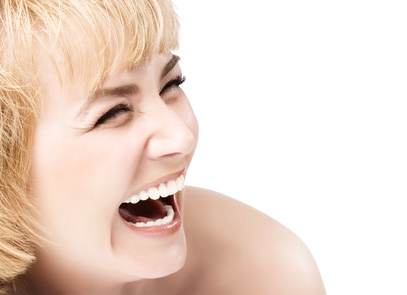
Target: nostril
173,155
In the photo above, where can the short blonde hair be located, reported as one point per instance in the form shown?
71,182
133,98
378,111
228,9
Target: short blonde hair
84,40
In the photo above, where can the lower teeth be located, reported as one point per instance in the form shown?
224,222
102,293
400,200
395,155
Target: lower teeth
167,219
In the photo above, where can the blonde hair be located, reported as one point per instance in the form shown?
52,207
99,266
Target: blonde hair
84,40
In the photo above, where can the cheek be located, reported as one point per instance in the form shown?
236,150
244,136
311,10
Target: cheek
187,115
192,123
79,172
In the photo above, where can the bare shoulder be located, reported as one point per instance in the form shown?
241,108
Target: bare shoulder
235,249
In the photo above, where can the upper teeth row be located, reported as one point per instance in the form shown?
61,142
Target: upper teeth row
163,190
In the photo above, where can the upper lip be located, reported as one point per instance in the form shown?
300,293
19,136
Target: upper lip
157,182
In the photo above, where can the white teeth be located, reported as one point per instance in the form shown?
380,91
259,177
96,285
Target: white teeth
153,193
134,199
167,219
143,195
164,190
172,187
180,182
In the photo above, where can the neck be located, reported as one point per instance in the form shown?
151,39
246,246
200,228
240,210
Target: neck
35,284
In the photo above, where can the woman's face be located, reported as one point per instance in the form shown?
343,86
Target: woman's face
91,154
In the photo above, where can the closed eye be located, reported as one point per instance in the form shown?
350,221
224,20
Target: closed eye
112,113
172,84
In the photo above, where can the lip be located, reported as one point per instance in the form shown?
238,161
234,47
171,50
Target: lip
166,229
157,182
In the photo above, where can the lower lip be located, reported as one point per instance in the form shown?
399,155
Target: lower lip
159,230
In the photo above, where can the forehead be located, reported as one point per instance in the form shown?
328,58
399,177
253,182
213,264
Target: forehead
55,86
159,67
53,73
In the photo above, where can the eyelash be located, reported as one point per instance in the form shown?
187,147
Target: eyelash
122,108
177,81
113,112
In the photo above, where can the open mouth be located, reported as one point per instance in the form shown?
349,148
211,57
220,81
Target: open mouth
153,207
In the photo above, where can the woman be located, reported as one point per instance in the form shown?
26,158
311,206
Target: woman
97,137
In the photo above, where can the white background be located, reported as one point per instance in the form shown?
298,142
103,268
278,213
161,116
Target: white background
302,111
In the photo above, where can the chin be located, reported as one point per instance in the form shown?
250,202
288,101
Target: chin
144,257
169,260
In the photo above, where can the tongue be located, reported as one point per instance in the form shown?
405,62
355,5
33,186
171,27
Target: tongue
143,211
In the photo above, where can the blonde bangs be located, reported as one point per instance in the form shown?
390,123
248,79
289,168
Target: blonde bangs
97,37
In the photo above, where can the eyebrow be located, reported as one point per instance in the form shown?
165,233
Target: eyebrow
170,65
124,90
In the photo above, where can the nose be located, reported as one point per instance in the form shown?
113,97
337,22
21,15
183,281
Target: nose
173,133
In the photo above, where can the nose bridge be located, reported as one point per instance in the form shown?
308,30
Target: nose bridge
170,135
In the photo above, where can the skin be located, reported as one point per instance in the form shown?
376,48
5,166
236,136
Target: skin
251,254
82,173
